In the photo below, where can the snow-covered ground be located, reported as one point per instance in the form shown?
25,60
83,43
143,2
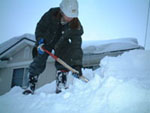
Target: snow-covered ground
121,85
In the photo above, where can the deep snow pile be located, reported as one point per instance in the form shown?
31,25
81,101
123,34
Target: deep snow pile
121,85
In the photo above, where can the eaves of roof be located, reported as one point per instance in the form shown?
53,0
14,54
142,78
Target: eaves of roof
24,38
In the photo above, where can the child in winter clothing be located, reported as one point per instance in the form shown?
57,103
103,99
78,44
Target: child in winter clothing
60,30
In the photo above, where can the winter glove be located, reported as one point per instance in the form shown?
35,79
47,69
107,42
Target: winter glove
39,48
78,68
76,75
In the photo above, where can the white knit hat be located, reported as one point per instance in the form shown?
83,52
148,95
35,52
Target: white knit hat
69,8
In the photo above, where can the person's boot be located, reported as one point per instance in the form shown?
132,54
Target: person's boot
61,80
32,83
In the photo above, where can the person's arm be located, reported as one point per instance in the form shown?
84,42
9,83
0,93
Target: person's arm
42,32
76,42
42,27
77,54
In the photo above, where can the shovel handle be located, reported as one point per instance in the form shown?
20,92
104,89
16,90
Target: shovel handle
60,61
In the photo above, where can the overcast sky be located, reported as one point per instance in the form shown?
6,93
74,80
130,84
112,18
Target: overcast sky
101,19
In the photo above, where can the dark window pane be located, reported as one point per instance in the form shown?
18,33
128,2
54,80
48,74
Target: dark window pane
17,77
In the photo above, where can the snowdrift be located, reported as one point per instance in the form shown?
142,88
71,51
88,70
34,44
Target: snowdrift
121,85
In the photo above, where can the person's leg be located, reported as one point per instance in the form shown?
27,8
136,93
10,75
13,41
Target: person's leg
35,69
38,65
61,77
61,80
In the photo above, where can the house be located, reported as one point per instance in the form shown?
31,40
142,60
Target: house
16,56
95,51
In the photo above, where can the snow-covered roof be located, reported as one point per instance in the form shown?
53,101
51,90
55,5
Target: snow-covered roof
102,46
4,47
89,47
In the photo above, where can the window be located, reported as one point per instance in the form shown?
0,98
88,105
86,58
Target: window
20,77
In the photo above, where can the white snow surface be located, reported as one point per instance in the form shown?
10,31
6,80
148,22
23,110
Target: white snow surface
102,46
121,85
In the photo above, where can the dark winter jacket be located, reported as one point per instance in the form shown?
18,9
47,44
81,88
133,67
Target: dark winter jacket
65,40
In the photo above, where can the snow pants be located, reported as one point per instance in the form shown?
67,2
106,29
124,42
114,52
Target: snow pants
39,63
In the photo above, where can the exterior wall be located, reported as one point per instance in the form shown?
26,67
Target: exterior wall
25,54
16,61
48,75
93,60
5,80
6,75
22,59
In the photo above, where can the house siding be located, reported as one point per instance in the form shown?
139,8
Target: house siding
25,54
48,75
22,59
5,80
